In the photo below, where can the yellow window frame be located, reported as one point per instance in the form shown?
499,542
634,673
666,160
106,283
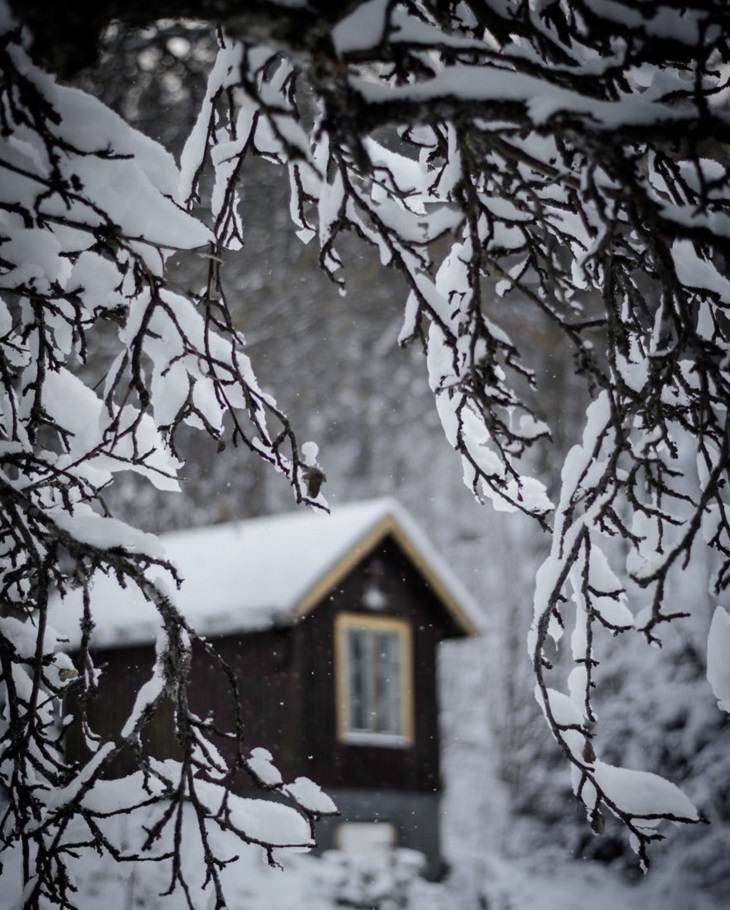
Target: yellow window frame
345,621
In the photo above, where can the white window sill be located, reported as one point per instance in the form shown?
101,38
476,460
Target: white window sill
387,740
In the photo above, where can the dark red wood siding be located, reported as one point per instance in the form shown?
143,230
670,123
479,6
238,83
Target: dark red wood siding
336,764
286,680
123,671
268,698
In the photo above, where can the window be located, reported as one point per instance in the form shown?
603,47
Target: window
365,837
373,677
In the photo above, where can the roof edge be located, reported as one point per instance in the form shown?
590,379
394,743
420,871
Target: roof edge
388,524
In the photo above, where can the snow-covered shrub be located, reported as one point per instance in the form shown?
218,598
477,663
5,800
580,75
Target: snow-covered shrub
380,880
385,879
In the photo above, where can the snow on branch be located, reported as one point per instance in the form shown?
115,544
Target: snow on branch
567,158
718,658
548,155
102,360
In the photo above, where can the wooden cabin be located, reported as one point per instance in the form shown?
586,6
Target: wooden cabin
332,625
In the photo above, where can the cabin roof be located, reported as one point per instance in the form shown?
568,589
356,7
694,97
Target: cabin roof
262,572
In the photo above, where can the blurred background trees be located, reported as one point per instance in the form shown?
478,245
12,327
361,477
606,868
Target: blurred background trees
338,373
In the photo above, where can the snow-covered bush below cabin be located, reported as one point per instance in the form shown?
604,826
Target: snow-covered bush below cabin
379,880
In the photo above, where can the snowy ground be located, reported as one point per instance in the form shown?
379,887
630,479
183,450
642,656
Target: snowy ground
512,885
384,881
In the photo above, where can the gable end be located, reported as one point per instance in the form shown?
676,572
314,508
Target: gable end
387,526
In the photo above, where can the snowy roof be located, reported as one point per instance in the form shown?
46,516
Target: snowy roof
249,575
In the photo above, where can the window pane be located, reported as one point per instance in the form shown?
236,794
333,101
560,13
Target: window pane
389,671
356,682
361,837
395,674
369,658
381,683
374,681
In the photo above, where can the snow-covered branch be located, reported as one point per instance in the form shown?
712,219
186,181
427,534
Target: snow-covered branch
573,169
102,360
565,157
